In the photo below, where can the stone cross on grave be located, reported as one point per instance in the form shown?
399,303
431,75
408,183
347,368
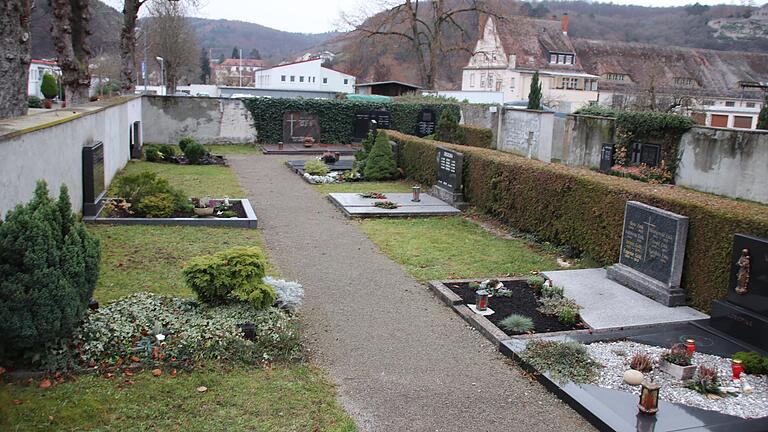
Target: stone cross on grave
291,121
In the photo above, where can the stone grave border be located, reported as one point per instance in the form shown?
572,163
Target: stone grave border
250,221
300,172
388,213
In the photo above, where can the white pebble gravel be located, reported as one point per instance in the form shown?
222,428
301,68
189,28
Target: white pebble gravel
615,357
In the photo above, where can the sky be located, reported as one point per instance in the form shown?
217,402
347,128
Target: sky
317,16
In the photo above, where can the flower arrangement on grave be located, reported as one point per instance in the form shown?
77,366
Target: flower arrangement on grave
386,205
493,286
677,362
706,382
641,362
224,208
677,355
373,195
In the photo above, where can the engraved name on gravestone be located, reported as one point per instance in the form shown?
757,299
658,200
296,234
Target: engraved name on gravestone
93,177
298,126
427,123
449,169
652,253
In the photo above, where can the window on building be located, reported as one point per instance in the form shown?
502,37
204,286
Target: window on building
346,81
553,58
684,82
561,59
707,102
293,78
482,80
282,78
615,77
750,104
590,85
325,80
730,103
490,81
569,59
472,80
301,78
512,83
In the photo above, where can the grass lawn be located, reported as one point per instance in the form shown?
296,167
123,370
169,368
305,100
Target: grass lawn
284,398
195,180
150,258
452,247
359,187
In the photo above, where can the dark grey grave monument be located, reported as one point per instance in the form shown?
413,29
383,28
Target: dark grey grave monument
363,125
427,123
299,125
646,153
652,253
94,187
606,157
137,142
449,186
743,314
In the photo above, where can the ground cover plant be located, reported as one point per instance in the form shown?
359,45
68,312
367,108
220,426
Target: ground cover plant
565,361
452,247
196,180
49,264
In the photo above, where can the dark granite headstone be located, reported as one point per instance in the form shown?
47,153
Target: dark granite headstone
450,165
650,154
298,126
744,312
606,157
427,122
652,253
93,178
362,125
137,142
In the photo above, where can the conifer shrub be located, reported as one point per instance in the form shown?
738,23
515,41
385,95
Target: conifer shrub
49,265
380,163
195,152
184,142
229,276
448,129
49,87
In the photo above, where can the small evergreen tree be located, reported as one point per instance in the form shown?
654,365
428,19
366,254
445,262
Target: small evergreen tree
205,67
448,129
235,53
534,97
380,163
762,120
49,87
49,264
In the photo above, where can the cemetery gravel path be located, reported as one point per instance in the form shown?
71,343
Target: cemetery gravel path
402,360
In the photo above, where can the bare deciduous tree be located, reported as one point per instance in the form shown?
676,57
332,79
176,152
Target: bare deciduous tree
15,56
70,28
173,38
422,24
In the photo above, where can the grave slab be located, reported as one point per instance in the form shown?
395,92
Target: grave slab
354,206
341,165
608,304
317,149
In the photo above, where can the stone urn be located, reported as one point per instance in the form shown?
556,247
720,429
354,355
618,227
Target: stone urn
202,212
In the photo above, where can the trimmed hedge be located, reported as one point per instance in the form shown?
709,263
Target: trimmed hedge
336,116
584,209
476,136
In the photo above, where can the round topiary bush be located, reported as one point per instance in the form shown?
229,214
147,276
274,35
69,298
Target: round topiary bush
49,264
231,275
49,87
195,152
380,163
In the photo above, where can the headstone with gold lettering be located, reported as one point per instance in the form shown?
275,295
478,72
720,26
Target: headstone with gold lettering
652,253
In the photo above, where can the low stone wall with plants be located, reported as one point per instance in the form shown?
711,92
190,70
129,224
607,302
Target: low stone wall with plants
585,209
336,117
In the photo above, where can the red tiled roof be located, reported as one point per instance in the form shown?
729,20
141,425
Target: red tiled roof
532,40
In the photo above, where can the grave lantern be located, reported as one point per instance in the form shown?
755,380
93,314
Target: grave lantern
690,347
416,194
737,368
481,300
649,397
280,145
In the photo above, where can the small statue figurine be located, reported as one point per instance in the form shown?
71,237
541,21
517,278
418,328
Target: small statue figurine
742,277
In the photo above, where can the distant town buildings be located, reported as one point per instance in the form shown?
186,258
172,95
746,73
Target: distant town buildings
236,72
309,75
386,88
37,69
325,56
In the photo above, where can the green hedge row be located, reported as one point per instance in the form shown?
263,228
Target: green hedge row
336,116
476,136
585,209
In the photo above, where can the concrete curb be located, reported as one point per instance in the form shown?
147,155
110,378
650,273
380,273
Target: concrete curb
250,221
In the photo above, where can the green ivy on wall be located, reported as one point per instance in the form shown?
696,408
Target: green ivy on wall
336,116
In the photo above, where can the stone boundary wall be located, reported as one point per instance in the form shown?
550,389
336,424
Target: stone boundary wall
523,132
167,119
48,146
583,139
486,116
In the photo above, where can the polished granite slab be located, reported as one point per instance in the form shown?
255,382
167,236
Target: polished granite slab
355,206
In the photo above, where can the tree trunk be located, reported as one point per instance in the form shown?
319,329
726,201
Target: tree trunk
14,56
128,46
70,29
413,10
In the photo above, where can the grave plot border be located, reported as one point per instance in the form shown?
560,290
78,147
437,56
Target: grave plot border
250,221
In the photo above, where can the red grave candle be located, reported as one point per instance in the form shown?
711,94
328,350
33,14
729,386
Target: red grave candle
737,368
690,347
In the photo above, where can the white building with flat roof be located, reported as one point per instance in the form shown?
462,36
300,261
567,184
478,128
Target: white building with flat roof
308,75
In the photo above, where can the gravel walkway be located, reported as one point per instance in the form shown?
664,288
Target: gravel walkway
402,360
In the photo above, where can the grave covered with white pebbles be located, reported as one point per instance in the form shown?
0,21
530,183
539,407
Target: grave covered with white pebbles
615,356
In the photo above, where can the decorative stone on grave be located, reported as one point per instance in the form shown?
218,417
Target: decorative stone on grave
744,312
449,186
299,126
652,253
94,187
427,123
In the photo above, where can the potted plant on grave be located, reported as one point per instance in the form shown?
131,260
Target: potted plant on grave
203,206
309,141
677,362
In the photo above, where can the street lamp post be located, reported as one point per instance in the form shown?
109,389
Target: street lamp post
162,73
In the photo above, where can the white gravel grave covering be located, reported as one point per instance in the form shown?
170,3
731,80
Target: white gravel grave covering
615,357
